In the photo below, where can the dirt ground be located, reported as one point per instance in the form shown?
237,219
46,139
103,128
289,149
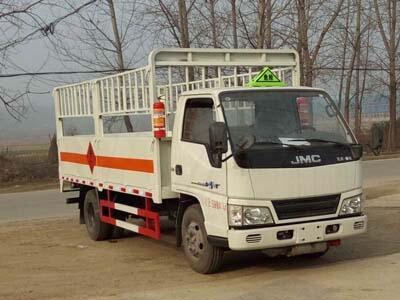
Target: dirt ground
55,259
390,188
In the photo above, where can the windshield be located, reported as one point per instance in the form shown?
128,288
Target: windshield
282,118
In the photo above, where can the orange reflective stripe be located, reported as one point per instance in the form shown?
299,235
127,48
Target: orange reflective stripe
74,157
120,163
129,164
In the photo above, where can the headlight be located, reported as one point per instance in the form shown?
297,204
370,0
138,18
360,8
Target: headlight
249,215
351,206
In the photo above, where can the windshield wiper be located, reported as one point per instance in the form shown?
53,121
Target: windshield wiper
312,140
281,144
243,150
267,140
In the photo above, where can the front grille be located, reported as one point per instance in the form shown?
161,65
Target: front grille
306,207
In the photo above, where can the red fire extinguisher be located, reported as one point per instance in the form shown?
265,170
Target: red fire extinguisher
159,119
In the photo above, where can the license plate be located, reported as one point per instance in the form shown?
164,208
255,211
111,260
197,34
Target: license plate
308,249
310,234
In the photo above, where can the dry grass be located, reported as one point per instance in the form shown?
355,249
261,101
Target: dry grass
25,165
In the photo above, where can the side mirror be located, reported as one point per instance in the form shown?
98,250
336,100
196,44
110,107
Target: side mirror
357,151
218,142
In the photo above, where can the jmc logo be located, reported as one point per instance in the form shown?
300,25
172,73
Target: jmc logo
307,159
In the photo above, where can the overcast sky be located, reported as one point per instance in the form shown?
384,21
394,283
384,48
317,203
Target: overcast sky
39,120
40,116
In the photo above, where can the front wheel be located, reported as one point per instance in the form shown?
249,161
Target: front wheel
203,257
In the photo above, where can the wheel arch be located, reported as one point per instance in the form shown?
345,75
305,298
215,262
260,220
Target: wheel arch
185,201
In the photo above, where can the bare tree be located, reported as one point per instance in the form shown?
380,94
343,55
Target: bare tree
171,22
386,17
362,87
213,22
107,37
260,24
355,54
268,24
357,50
361,47
307,48
257,20
234,24
119,52
22,22
264,24
344,41
352,54
183,24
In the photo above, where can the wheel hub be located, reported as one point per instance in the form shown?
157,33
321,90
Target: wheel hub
90,212
194,239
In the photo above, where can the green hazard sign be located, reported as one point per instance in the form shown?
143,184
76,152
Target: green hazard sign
266,78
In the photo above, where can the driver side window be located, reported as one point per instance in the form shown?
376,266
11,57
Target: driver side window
199,115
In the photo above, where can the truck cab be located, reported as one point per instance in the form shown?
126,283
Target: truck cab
272,168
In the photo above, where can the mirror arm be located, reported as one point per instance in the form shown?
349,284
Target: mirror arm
228,157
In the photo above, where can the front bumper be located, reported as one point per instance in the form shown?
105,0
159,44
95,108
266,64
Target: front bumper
311,232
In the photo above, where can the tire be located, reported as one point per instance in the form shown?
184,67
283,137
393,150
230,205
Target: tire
96,229
203,257
118,232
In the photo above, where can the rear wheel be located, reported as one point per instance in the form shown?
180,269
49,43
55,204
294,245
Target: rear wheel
96,229
203,257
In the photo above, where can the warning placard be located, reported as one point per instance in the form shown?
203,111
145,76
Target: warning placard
266,78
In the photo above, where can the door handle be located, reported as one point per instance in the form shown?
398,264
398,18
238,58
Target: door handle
178,169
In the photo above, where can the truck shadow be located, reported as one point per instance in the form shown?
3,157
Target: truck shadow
382,238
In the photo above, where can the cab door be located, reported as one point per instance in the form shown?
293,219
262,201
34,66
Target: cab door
193,170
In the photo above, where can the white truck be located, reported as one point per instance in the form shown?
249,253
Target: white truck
237,156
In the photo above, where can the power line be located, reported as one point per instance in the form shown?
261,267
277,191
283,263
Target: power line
59,73
113,71
46,29
354,69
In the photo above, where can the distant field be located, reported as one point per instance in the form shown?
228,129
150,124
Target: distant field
20,149
25,154
22,164
32,139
